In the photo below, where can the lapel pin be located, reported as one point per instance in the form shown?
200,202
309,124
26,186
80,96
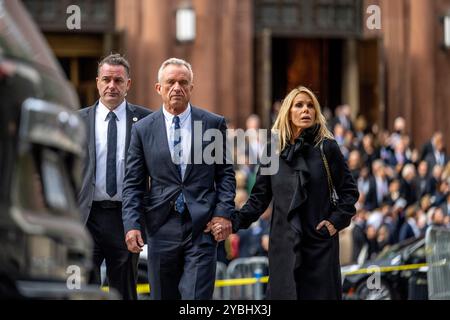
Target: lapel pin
135,119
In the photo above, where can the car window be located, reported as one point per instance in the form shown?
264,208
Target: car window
27,187
417,253
393,250
389,252
54,181
42,184
20,37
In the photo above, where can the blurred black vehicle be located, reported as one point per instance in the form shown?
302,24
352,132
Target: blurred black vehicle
402,272
45,252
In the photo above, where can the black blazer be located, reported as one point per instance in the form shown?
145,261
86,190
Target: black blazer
208,189
406,232
86,194
432,161
371,202
427,149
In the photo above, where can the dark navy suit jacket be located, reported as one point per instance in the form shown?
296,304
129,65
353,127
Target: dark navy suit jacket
208,189
86,194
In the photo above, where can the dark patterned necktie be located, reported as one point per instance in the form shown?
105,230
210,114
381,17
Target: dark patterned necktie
179,203
111,175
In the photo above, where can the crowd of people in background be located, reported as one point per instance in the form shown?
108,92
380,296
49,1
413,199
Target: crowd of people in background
404,188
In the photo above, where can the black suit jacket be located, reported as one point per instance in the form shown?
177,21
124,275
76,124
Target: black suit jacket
208,189
427,149
371,201
86,194
432,161
406,232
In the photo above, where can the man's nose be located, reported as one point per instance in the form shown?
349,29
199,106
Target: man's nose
111,83
177,86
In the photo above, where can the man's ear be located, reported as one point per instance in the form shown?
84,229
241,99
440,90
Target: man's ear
158,88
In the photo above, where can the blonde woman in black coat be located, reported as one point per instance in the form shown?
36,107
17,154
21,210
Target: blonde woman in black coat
304,243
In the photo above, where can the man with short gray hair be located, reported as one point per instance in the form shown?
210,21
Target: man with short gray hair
185,195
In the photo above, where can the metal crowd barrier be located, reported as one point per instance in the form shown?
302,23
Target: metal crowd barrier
220,293
245,279
437,243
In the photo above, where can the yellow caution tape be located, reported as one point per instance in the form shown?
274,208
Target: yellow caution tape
240,282
141,288
387,269
144,288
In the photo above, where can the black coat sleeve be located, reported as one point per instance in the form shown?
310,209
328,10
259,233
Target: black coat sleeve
258,202
224,180
344,184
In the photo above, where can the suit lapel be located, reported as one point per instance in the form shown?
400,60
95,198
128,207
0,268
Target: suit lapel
130,111
91,144
196,116
162,149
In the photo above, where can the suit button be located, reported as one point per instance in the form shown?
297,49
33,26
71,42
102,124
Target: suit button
172,203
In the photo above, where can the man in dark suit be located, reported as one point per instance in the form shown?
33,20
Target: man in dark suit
431,145
108,123
187,194
434,152
422,182
446,206
378,186
342,117
409,228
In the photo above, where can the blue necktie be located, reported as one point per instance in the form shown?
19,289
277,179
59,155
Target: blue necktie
179,203
111,176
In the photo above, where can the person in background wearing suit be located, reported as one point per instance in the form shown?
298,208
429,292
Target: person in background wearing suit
434,152
185,197
342,117
446,206
409,228
432,146
378,186
108,124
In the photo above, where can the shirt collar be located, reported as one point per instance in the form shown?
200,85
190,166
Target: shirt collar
120,111
183,116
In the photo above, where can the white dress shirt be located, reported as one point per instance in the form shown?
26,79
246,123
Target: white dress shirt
439,156
186,135
382,189
101,149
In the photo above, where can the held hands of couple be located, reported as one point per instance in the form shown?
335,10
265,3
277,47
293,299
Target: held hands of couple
220,228
331,229
134,241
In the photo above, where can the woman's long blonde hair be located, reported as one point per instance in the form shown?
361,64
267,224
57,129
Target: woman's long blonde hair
283,127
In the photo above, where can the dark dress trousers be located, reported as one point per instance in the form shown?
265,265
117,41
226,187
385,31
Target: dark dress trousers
104,219
181,257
